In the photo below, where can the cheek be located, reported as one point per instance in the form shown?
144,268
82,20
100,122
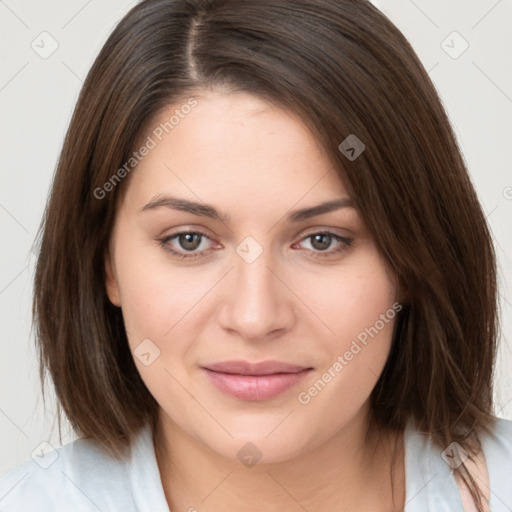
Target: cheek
156,298
155,294
365,311
357,310
349,299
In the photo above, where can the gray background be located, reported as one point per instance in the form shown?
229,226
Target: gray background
38,92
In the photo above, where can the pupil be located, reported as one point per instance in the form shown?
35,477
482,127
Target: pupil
190,241
324,241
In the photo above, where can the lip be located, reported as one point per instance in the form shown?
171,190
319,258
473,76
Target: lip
262,368
254,381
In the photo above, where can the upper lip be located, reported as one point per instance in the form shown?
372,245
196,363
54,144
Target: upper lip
262,368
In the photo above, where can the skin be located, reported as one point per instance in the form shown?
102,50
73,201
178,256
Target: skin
255,163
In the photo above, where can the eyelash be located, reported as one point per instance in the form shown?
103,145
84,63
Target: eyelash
164,242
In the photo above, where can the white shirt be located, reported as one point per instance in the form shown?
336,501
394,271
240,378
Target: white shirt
84,478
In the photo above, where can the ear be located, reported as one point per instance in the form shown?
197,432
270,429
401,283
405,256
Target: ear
402,294
110,282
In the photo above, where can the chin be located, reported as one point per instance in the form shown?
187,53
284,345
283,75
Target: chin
260,448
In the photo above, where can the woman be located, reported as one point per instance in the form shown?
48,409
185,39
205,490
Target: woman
265,280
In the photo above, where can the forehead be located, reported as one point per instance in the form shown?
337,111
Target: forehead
233,148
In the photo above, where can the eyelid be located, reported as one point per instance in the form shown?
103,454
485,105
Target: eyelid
186,228
319,229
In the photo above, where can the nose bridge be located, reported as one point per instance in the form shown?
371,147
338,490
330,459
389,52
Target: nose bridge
258,303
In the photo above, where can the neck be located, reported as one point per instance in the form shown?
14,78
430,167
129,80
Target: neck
349,472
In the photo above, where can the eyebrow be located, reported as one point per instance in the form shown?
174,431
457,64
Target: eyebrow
206,210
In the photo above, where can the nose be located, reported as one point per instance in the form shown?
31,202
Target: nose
258,304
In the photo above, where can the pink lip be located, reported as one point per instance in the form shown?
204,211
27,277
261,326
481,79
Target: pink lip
259,381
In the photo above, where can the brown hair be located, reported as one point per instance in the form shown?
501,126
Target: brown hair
345,69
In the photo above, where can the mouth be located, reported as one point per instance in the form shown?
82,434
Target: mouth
255,381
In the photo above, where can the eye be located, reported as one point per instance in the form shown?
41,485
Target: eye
185,244
191,244
322,241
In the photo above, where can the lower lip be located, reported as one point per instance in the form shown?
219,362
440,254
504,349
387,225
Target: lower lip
255,387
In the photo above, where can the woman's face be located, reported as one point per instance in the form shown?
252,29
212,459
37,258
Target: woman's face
271,278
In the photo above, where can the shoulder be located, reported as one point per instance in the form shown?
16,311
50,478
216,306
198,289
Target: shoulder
77,476
72,477
497,450
491,468
430,477
496,444
501,433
